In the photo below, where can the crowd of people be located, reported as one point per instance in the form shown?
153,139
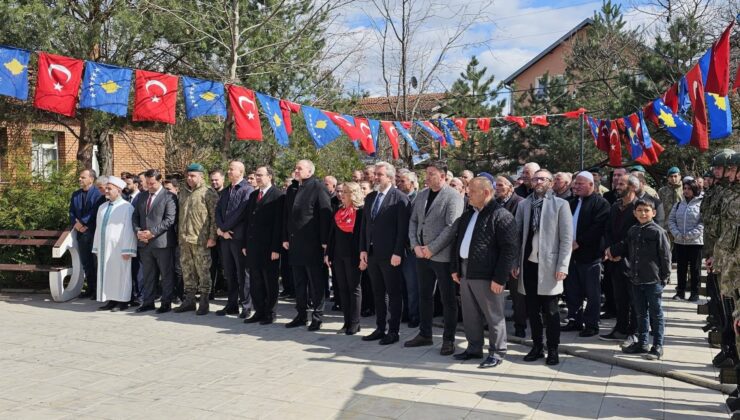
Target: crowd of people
386,246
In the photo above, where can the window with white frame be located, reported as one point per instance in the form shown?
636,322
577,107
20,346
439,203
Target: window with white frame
44,152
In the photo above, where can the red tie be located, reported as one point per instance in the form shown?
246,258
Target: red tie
149,202
259,196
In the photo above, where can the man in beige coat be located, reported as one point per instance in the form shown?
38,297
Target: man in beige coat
545,227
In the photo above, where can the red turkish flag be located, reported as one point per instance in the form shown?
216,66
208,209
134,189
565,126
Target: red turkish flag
392,133
575,113
718,79
246,116
287,107
351,130
518,120
462,125
670,97
58,83
602,140
540,120
615,147
407,124
648,113
155,97
366,142
484,124
700,133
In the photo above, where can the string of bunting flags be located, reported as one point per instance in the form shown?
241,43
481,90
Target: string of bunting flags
64,83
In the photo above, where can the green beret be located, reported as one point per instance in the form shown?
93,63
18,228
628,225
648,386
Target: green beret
196,167
673,170
638,168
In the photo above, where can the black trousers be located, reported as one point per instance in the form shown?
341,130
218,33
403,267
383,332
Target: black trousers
286,273
235,272
608,289
346,278
309,280
157,262
386,282
179,289
88,259
688,265
217,271
368,298
622,287
540,308
264,289
519,304
430,274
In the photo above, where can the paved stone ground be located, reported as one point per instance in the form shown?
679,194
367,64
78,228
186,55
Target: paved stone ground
65,360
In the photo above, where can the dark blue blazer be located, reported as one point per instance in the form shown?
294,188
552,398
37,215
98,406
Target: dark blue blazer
76,207
231,211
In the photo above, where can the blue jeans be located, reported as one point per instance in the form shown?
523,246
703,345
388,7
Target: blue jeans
584,282
646,300
408,268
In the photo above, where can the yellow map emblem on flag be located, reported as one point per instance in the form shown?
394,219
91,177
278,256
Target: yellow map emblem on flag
321,124
208,96
110,86
15,67
667,119
277,119
719,101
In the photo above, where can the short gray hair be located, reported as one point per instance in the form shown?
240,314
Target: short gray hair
102,180
634,181
411,176
390,170
310,165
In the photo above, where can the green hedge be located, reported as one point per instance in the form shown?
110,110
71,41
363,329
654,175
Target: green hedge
30,202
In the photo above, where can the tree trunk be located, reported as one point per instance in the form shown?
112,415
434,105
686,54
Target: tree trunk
233,62
85,142
105,154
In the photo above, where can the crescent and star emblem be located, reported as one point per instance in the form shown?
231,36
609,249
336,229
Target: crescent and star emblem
159,84
241,99
62,69
368,133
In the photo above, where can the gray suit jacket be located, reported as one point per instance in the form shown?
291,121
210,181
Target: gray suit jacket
435,229
555,241
161,219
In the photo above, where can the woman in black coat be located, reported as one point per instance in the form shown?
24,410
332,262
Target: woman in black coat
343,254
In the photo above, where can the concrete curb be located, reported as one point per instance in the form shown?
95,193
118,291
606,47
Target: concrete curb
625,363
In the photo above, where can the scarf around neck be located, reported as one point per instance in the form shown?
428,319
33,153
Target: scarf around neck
534,221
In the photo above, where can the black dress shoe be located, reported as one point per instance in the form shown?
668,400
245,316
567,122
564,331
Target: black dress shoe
552,357
448,348
164,308
120,307
537,352
419,341
315,325
490,362
108,306
589,332
467,356
145,308
520,332
245,313
413,324
571,326
267,320
389,338
352,330
227,311
253,319
134,303
375,335
296,322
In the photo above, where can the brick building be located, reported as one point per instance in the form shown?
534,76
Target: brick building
550,61
385,108
46,146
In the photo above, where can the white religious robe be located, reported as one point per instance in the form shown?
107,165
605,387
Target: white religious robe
114,238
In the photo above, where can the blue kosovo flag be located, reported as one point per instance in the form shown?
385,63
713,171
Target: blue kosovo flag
684,102
406,136
271,108
677,126
720,115
106,88
635,146
203,97
704,65
448,125
646,139
320,127
374,130
14,72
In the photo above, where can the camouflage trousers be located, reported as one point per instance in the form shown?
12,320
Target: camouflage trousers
196,266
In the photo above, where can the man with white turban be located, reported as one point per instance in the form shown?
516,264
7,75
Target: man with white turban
115,245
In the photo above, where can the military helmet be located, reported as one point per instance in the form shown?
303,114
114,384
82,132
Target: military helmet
721,158
734,160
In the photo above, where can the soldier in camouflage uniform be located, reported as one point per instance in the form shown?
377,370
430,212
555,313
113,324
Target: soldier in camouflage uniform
196,234
670,194
710,214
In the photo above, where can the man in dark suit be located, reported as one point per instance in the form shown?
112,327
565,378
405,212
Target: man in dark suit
383,237
307,217
83,208
230,212
262,244
590,214
155,218
217,271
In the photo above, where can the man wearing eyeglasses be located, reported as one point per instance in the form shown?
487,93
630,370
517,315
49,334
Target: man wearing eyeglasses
545,225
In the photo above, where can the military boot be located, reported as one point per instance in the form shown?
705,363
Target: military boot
202,305
187,305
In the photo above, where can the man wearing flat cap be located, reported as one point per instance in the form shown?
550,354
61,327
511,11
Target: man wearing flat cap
114,244
196,234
